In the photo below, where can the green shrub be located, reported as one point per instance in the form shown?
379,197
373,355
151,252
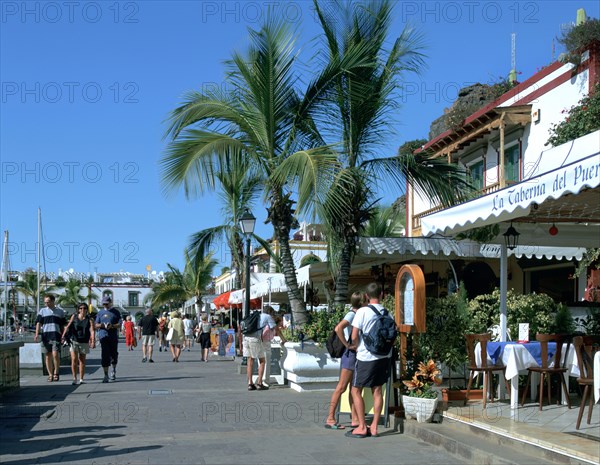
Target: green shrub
321,323
581,119
536,309
446,320
563,321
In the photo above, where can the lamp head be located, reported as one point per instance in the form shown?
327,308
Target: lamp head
511,237
247,222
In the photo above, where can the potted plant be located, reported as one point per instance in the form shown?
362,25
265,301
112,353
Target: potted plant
421,400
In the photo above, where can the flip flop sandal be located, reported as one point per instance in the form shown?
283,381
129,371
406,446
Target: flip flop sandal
56,378
251,387
50,378
262,387
334,426
351,434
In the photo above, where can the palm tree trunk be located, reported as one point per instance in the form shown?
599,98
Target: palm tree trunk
341,284
281,217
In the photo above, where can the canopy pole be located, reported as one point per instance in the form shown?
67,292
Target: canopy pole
503,290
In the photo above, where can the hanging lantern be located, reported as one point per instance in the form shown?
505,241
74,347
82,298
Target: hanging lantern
553,230
511,236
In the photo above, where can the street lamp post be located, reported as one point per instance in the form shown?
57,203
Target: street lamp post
247,223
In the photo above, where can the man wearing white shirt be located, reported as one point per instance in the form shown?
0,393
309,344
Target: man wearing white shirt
371,370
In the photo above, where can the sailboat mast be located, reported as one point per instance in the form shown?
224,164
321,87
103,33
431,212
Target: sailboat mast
39,256
5,278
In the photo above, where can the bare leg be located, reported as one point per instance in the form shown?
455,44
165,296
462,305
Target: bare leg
74,365
377,405
81,366
56,360
149,351
261,370
249,368
345,377
49,364
359,407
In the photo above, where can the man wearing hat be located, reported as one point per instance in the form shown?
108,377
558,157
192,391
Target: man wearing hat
108,322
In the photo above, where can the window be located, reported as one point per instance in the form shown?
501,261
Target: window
476,175
512,165
134,299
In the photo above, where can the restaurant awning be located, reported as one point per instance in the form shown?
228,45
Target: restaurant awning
567,195
222,300
400,248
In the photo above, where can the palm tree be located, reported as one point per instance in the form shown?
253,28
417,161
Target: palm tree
239,186
180,286
358,113
263,118
385,222
72,295
28,286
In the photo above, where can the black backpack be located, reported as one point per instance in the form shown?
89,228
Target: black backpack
382,335
250,324
334,345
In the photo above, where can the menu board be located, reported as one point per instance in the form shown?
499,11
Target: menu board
410,299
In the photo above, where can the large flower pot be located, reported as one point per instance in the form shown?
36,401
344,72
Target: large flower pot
309,367
420,408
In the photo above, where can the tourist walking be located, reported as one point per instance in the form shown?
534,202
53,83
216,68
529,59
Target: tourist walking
80,330
177,335
107,323
129,333
50,322
253,348
371,370
163,329
148,327
343,330
188,329
204,329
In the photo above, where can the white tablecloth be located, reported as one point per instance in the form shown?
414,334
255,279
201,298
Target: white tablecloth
597,376
516,358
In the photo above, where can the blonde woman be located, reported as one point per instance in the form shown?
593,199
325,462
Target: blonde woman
176,323
83,337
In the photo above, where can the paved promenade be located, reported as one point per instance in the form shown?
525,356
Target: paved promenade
183,413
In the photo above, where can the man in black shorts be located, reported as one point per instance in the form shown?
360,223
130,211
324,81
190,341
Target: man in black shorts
371,370
148,326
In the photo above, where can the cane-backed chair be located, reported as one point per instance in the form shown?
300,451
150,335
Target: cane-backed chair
585,347
546,371
487,370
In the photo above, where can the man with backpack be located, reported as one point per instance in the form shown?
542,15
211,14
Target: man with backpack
253,347
373,335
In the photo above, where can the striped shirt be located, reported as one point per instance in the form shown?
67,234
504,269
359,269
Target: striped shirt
52,323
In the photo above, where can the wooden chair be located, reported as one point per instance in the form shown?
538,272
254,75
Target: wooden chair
545,371
488,371
585,346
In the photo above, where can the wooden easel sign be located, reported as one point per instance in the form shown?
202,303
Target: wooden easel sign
410,304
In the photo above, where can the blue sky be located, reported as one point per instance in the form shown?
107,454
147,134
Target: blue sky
86,87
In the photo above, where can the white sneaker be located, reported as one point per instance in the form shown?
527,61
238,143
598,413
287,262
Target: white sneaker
113,375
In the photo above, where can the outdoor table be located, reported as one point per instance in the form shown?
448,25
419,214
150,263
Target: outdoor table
518,357
597,376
